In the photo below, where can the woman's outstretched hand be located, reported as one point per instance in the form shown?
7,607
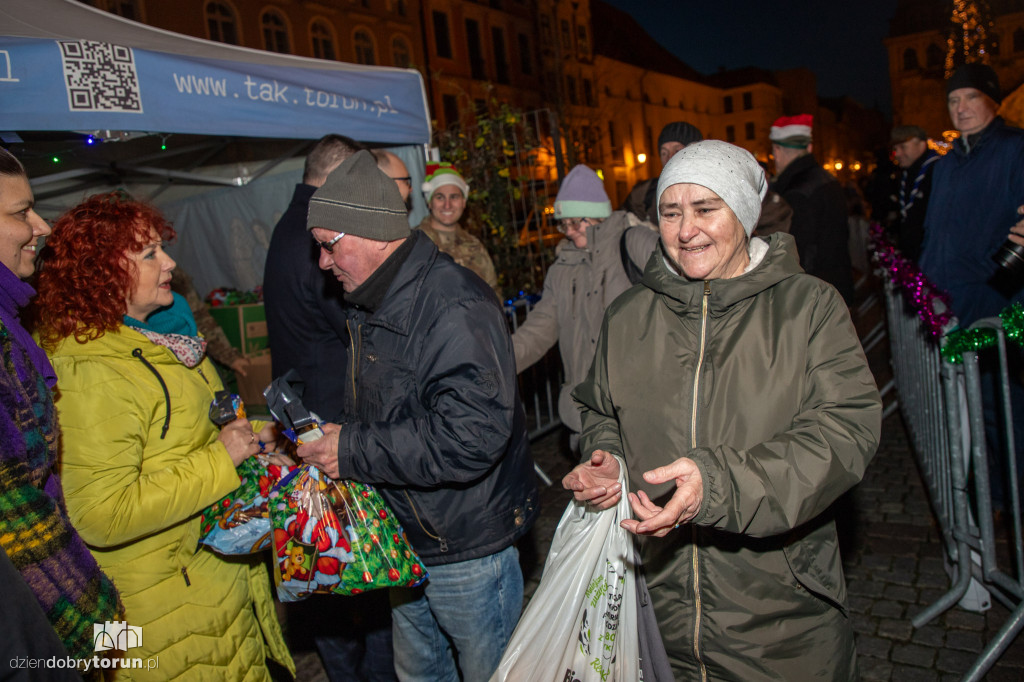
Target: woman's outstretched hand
595,481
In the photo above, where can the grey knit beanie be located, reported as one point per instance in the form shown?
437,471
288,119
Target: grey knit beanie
727,170
359,199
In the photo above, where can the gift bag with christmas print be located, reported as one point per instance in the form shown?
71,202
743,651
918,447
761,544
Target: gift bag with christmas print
336,537
239,523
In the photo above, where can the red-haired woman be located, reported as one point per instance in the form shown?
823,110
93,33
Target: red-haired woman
141,458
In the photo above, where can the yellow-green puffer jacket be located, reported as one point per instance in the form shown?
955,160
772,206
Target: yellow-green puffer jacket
136,497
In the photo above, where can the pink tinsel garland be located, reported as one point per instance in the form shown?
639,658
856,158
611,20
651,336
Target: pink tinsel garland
931,303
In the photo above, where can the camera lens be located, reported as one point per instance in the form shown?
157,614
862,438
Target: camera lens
1010,257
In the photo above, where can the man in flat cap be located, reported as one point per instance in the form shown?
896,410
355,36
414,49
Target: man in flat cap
432,417
916,161
819,222
976,189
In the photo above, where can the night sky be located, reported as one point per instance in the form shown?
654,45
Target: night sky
840,42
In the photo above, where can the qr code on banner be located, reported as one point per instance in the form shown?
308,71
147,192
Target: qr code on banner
100,77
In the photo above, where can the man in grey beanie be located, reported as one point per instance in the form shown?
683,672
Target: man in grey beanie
432,416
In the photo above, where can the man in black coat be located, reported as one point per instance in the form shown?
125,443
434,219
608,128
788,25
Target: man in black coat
819,222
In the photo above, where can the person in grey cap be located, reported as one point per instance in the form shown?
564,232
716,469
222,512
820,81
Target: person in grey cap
642,201
976,189
914,185
432,416
734,388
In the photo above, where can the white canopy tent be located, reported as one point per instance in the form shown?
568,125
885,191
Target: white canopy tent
211,133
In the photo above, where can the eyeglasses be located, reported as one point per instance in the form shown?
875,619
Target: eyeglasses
407,180
329,246
566,224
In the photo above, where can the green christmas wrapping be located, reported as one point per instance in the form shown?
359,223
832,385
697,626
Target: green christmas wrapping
336,537
239,523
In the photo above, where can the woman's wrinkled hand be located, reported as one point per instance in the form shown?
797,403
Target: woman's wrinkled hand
681,507
595,481
240,441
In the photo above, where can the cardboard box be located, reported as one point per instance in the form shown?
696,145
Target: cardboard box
250,388
244,325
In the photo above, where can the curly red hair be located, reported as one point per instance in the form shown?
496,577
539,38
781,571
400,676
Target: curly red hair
86,279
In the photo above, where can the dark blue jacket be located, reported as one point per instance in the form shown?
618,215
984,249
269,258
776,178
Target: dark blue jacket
432,414
973,203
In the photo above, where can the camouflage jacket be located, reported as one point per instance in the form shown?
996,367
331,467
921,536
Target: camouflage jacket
465,249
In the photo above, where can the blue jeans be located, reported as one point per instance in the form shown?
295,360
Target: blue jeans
457,625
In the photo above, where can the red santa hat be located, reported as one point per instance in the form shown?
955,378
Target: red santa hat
792,131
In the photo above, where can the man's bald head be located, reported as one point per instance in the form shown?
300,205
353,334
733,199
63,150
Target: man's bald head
392,166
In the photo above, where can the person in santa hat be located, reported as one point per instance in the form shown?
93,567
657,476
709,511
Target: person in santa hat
819,222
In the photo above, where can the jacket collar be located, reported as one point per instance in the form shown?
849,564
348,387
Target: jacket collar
964,147
684,296
398,305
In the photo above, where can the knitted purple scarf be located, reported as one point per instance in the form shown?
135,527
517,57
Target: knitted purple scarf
14,295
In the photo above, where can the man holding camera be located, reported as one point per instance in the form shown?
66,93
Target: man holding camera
976,189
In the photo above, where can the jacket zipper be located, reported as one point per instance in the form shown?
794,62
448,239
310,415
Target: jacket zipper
693,444
356,340
356,343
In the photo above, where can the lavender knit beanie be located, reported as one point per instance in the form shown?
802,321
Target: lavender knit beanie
582,195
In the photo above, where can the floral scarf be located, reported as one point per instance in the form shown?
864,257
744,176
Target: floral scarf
173,328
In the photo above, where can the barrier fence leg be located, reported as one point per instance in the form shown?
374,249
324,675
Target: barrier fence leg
997,646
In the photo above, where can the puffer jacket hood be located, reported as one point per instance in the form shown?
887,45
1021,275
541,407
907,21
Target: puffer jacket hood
684,295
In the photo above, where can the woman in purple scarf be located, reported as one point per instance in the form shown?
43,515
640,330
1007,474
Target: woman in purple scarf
35,533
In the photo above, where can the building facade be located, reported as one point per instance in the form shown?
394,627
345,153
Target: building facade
917,47
606,83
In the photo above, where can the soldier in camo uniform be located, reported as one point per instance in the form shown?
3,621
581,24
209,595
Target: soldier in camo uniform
446,192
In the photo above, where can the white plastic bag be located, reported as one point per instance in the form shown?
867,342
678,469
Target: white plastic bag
581,624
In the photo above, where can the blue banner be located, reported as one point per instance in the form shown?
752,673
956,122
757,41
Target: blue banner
90,85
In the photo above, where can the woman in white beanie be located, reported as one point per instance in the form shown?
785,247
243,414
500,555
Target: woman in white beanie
736,390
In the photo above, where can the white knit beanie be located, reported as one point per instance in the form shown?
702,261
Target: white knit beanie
729,171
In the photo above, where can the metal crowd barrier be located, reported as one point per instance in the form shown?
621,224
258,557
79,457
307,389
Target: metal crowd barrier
942,407
538,385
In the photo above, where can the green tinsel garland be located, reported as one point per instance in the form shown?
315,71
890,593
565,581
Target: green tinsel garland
973,340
